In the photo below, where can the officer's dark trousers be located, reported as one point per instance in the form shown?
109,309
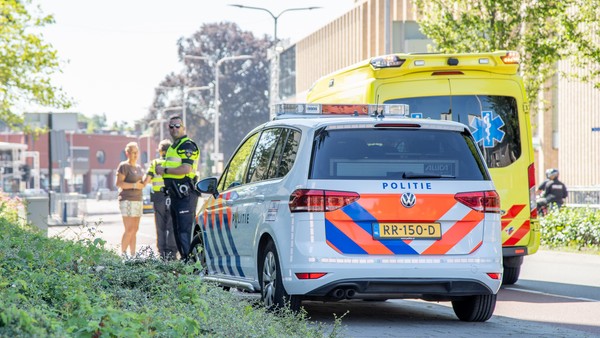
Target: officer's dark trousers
165,235
183,211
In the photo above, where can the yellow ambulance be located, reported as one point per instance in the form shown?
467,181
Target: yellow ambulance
481,90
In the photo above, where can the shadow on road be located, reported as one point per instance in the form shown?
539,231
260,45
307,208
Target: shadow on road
584,292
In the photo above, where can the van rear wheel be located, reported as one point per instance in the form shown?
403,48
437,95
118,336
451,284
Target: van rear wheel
273,294
512,269
477,308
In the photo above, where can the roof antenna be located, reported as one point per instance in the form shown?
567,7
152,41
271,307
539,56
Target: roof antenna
376,113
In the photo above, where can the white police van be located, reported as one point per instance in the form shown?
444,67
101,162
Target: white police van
335,202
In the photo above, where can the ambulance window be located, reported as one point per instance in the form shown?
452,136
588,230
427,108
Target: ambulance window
493,120
234,174
259,165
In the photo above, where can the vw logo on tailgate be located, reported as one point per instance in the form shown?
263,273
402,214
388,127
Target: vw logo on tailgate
408,199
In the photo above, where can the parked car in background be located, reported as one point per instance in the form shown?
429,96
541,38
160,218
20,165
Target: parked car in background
148,206
105,194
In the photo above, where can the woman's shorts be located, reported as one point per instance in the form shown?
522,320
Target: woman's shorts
131,208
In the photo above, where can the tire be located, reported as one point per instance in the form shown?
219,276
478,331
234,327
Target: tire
197,253
475,308
273,294
512,269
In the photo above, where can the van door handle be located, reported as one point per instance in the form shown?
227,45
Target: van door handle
260,198
229,202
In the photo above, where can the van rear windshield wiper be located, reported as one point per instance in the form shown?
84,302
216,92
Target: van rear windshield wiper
425,175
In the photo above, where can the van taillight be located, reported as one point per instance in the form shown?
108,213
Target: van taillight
315,200
532,198
482,201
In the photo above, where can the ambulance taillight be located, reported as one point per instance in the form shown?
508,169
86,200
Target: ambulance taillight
532,199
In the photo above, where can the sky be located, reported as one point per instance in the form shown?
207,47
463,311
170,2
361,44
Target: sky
115,52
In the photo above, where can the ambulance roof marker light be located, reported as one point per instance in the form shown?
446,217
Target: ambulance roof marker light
511,57
484,61
419,63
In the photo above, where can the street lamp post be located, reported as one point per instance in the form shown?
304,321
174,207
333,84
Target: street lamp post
217,158
275,17
274,91
186,90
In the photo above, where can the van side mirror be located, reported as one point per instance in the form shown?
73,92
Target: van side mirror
208,186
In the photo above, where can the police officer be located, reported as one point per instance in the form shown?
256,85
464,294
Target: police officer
179,174
167,248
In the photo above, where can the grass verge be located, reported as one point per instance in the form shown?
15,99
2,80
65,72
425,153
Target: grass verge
55,288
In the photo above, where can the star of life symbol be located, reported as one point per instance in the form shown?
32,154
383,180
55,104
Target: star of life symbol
487,129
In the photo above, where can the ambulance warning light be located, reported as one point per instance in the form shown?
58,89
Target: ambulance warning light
511,57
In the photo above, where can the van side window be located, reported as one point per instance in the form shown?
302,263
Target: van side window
283,163
234,174
265,149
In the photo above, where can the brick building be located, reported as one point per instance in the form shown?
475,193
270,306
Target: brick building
90,162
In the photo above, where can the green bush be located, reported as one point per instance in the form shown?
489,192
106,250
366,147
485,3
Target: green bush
571,227
50,287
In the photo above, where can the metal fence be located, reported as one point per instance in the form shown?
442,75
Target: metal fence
68,208
584,197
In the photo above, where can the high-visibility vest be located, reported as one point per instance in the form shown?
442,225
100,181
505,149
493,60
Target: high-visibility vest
157,181
173,159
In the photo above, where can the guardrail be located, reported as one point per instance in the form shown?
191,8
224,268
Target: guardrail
583,197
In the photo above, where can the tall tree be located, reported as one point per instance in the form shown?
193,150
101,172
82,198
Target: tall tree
543,32
26,61
243,84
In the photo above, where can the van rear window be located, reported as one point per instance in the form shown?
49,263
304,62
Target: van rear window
373,154
493,120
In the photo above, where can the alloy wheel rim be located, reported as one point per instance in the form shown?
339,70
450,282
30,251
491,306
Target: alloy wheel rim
269,279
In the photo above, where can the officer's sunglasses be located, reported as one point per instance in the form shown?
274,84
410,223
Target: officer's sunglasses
178,125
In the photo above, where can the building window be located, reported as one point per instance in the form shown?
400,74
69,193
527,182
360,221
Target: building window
287,73
100,156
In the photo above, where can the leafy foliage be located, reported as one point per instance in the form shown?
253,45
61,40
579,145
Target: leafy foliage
543,32
10,207
55,288
26,61
571,227
243,84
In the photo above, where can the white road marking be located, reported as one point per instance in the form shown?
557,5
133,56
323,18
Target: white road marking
552,294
